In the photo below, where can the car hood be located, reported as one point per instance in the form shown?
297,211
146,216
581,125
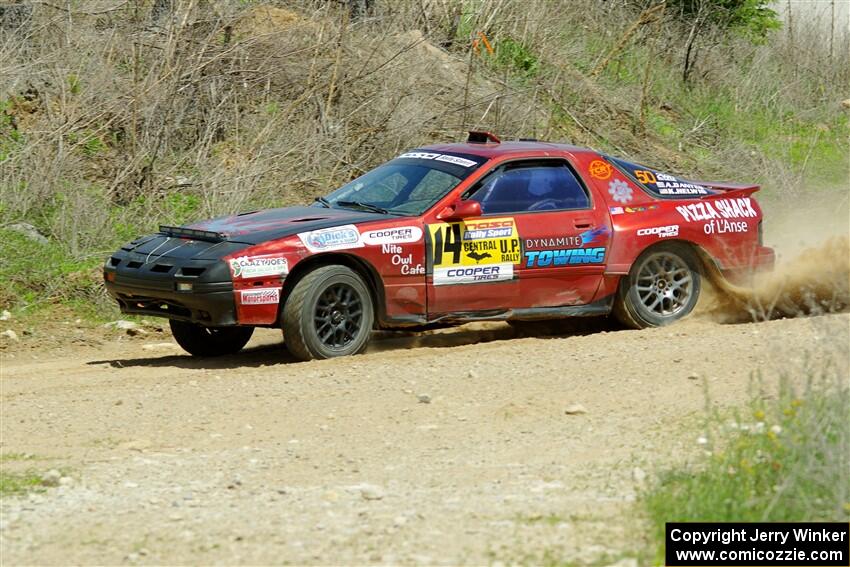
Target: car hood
233,233
270,224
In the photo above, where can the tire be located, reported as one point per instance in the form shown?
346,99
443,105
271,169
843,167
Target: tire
198,340
662,287
329,313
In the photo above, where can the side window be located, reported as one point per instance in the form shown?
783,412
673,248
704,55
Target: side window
523,188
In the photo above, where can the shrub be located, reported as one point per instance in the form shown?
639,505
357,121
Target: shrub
784,460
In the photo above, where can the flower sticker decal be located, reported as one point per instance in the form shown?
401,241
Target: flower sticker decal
620,191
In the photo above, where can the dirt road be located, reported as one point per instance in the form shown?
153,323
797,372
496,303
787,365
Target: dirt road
258,459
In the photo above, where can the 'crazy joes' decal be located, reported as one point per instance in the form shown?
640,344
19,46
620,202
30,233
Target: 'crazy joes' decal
258,266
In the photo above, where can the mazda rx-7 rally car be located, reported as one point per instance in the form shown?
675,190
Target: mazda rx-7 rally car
446,234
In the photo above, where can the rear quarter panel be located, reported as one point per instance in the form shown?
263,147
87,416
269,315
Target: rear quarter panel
724,225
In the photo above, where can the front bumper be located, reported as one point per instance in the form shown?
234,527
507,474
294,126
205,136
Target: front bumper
210,308
150,288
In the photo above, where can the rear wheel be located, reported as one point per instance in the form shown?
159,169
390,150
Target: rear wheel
198,340
329,313
662,287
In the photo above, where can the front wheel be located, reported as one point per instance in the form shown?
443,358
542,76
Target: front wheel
662,287
198,340
329,313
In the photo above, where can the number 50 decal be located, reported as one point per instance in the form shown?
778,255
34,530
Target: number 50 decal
645,177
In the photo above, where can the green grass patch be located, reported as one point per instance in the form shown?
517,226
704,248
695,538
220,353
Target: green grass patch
14,457
517,57
33,273
784,459
12,483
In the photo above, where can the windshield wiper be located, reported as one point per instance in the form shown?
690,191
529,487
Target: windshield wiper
323,201
367,206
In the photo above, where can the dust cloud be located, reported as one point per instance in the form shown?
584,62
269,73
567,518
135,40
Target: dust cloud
812,274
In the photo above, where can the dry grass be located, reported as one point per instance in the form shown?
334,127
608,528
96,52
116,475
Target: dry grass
115,116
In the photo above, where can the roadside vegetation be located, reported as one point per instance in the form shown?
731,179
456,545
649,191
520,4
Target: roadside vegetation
16,483
782,458
114,119
18,476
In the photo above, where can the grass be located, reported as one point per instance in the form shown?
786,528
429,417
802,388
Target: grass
13,457
784,459
33,273
14,483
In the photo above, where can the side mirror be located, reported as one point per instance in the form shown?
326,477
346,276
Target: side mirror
460,210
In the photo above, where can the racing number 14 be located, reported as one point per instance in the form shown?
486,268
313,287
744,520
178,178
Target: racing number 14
451,243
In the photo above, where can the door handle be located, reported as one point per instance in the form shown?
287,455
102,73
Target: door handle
583,223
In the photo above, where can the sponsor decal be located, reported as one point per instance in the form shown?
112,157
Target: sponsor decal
681,189
557,242
570,256
616,210
589,236
440,157
668,231
456,160
561,242
640,209
402,260
723,226
620,191
481,230
396,235
600,169
336,238
475,242
665,184
473,274
262,296
718,209
258,266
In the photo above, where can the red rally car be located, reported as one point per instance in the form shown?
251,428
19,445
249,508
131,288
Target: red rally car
446,234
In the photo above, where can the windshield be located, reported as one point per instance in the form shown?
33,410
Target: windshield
408,185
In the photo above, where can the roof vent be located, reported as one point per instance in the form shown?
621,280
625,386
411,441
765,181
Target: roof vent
476,137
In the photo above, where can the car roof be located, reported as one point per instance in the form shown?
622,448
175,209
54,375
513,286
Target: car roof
490,150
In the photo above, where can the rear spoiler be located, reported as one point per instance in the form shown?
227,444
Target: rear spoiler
730,188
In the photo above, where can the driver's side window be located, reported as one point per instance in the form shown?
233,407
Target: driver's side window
530,186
